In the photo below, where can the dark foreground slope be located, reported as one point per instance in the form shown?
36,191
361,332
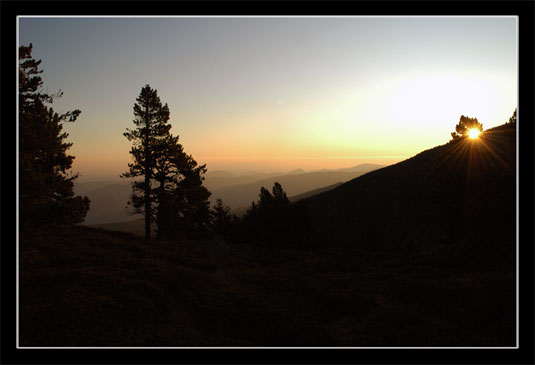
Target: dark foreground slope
98,288
454,287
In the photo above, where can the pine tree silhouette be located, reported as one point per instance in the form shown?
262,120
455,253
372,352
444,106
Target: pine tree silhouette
465,124
151,119
171,193
46,195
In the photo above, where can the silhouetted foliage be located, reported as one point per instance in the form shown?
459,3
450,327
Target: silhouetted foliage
274,220
279,195
46,196
222,218
512,120
151,119
183,202
464,126
171,193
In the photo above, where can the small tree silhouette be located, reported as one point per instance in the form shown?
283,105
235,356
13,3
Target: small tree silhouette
464,126
512,120
279,195
222,218
274,220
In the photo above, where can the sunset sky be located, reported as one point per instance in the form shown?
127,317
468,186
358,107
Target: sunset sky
281,93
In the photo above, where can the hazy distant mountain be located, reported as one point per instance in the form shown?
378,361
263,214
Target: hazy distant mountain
108,202
219,178
237,196
362,167
81,188
297,171
219,174
109,198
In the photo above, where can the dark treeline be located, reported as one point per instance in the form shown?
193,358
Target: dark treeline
274,220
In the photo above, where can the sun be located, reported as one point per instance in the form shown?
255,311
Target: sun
474,133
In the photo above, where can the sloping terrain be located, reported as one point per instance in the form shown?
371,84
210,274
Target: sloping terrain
421,253
461,190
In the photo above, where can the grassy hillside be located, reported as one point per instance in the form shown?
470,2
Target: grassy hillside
461,190
421,253
97,288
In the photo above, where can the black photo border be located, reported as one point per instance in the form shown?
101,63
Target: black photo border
525,11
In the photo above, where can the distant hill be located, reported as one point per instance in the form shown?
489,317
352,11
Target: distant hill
219,174
108,202
462,190
361,167
242,195
220,179
81,188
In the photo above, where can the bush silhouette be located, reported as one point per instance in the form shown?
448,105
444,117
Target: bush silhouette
464,126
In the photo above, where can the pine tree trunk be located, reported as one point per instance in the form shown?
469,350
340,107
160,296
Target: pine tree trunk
159,217
147,177
147,206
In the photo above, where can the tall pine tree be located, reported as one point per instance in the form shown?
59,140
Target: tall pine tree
151,119
46,195
171,193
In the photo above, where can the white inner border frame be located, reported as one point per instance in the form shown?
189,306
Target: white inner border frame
272,17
